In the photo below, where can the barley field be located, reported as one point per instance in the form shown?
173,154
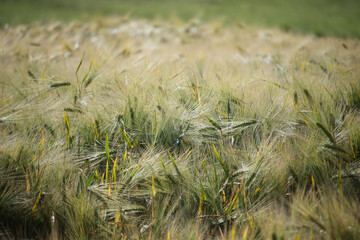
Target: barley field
122,128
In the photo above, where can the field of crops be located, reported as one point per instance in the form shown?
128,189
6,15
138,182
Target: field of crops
138,129
321,17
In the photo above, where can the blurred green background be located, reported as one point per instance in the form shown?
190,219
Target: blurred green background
321,17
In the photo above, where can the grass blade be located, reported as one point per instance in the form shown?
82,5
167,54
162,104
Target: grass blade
107,148
245,124
245,233
215,124
308,97
114,172
81,61
202,191
228,107
37,201
277,85
55,85
67,130
128,142
326,132
118,214
224,166
90,179
91,63
233,202
107,171
153,189
31,75
175,166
